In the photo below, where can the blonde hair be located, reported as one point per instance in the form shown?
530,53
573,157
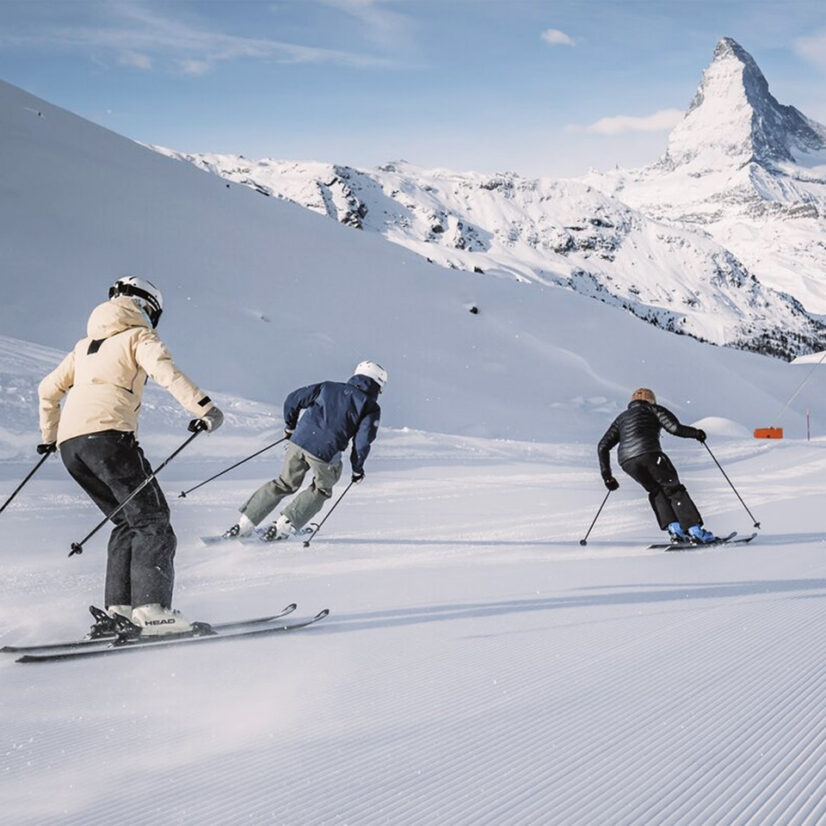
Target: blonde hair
643,394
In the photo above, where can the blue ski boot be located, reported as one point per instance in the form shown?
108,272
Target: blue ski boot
700,535
676,534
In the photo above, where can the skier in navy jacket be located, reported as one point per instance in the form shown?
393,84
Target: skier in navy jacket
334,413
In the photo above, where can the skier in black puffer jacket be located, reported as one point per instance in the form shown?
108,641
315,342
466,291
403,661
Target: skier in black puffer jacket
637,432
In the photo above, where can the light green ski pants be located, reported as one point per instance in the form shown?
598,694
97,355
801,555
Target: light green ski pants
309,502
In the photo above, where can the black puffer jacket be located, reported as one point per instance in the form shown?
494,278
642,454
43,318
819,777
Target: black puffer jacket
637,431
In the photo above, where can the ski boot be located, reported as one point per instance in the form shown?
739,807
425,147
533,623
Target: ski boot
282,528
676,534
700,536
154,621
243,527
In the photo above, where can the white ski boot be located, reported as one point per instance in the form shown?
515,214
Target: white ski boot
243,527
154,620
282,528
121,610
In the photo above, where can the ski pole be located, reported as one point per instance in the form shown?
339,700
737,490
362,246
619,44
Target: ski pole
318,527
77,547
183,493
756,523
584,540
29,476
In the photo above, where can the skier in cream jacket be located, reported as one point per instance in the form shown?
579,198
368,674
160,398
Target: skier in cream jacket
102,380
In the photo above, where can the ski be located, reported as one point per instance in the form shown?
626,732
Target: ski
697,546
105,640
256,537
743,540
680,546
203,634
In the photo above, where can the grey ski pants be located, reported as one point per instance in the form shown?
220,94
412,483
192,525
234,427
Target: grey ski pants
309,502
109,466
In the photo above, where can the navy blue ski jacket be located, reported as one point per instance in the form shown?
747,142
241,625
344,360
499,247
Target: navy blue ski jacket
335,412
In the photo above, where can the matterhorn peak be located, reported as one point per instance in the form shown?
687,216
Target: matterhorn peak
734,119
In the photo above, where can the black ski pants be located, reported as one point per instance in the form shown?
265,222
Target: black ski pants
667,495
109,466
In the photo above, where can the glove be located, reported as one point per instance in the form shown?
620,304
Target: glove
701,436
211,420
357,477
46,448
287,433
611,483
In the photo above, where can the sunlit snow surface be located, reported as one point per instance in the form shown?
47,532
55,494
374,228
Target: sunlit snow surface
479,666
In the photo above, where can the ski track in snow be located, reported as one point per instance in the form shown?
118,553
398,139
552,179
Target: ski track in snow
473,670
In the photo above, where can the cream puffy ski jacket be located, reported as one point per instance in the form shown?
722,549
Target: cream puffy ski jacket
105,374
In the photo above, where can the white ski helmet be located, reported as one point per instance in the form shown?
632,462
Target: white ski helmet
144,292
372,371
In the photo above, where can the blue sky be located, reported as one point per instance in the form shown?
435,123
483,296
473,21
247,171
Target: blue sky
539,87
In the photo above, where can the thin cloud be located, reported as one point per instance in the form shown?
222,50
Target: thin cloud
135,60
660,121
557,38
139,37
195,68
388,29
812,48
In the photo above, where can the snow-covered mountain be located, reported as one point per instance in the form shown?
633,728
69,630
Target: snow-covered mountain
631,252
263,296
748,171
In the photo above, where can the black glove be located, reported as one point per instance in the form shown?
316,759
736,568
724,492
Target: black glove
47,448
610,482
197,425
701,436
357,477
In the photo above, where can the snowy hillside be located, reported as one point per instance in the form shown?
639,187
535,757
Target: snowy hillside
737,153
550,232
748,171
263,296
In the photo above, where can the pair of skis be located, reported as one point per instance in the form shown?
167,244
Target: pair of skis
257,537
201,633
698,546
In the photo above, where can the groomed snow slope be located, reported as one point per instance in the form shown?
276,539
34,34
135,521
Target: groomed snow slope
478,667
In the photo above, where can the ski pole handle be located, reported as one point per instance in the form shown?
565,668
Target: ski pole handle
28,476
183,493
318,527
77,547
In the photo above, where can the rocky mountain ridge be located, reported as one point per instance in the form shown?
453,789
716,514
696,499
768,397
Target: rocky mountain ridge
658,242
